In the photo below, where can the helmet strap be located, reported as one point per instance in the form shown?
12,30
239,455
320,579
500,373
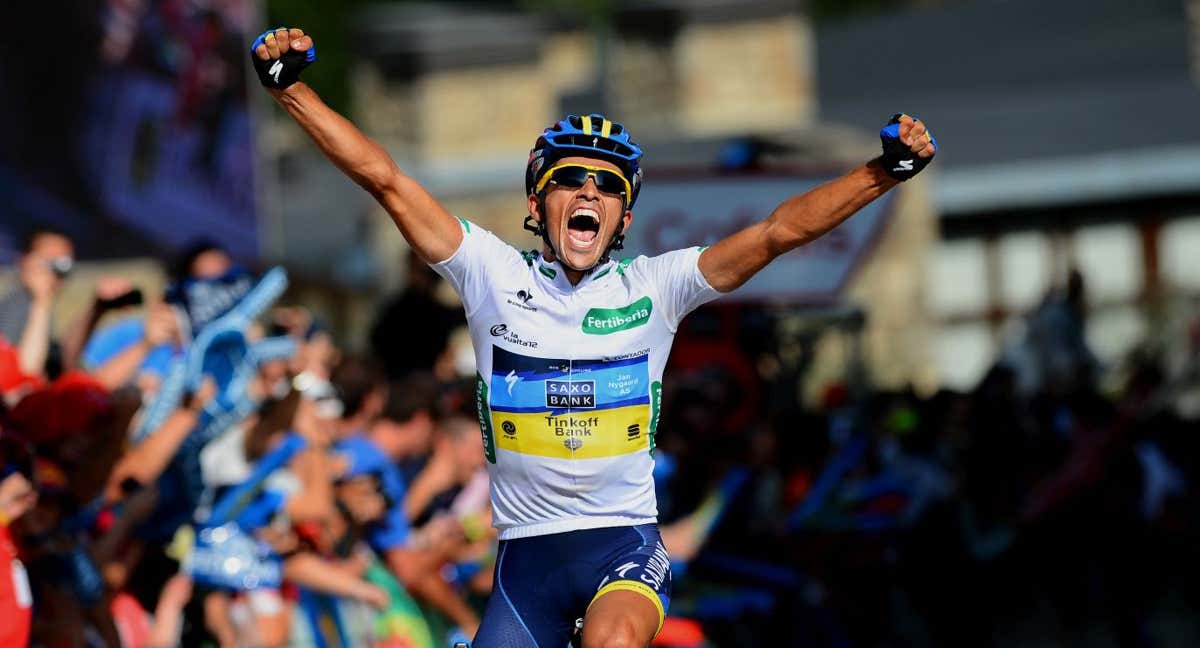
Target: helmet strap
538,227
617,242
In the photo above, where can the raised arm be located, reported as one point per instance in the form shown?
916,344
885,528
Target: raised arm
278,57
732,261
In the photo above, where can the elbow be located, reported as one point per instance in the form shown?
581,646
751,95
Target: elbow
379,178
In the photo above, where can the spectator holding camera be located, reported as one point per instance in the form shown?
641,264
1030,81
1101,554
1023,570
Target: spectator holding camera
47,257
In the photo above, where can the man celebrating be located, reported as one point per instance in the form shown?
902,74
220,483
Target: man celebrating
571,347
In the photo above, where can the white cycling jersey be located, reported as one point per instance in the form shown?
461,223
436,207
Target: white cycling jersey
570,379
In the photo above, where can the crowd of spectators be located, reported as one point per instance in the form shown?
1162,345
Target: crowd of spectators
209,467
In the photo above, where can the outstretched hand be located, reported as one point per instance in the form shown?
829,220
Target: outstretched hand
280,54
908,146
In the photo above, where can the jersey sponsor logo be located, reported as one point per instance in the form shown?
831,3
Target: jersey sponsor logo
522,301
502,331
571,394
485,418
512,379
623,570
570,408
656,567
602,321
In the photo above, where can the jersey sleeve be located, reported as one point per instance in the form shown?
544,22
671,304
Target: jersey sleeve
480,255
680,285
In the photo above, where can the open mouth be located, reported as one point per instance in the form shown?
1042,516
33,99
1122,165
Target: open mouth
583,226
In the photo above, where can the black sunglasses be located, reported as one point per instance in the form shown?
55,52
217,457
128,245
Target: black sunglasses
574,176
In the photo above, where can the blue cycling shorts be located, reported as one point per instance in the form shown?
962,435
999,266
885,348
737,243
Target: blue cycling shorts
544,583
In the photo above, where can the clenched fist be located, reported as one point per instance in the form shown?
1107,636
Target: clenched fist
280,54
908,146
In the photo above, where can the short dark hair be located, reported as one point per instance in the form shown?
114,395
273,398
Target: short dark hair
355,378
30,236
415,392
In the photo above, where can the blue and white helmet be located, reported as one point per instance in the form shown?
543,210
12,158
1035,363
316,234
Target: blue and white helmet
593,136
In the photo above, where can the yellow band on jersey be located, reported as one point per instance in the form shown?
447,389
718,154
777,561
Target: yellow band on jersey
581,434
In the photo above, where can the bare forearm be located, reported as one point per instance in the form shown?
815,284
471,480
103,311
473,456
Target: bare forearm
118,370
358,156
798,220
433,234
149,459
315,573
805,217
35,339
438,593
418,572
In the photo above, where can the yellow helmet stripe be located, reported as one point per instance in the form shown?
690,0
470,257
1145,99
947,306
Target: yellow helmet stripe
605,128
587,124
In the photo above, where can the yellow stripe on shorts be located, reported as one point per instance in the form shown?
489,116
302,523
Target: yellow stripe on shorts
638,587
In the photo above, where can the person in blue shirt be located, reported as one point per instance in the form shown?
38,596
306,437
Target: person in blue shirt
402,434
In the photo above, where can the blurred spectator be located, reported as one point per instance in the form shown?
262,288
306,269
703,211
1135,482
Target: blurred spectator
17,497
1053,352
393,449
47,257
412,329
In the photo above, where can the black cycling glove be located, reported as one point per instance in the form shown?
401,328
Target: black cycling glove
898,160
284,71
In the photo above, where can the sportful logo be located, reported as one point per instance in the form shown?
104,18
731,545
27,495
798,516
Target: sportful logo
603,321
522,301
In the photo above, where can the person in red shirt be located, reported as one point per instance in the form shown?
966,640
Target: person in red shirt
17,496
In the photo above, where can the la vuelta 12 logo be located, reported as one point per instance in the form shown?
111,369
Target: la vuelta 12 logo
502,331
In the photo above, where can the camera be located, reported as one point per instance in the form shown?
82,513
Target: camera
61,266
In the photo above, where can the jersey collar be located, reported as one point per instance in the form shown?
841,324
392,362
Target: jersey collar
553,273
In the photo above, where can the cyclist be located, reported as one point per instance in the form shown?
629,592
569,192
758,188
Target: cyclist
571,346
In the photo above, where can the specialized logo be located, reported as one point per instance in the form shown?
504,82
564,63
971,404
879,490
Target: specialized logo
603,321
275,70
578,394
512,379
623,570
905,165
